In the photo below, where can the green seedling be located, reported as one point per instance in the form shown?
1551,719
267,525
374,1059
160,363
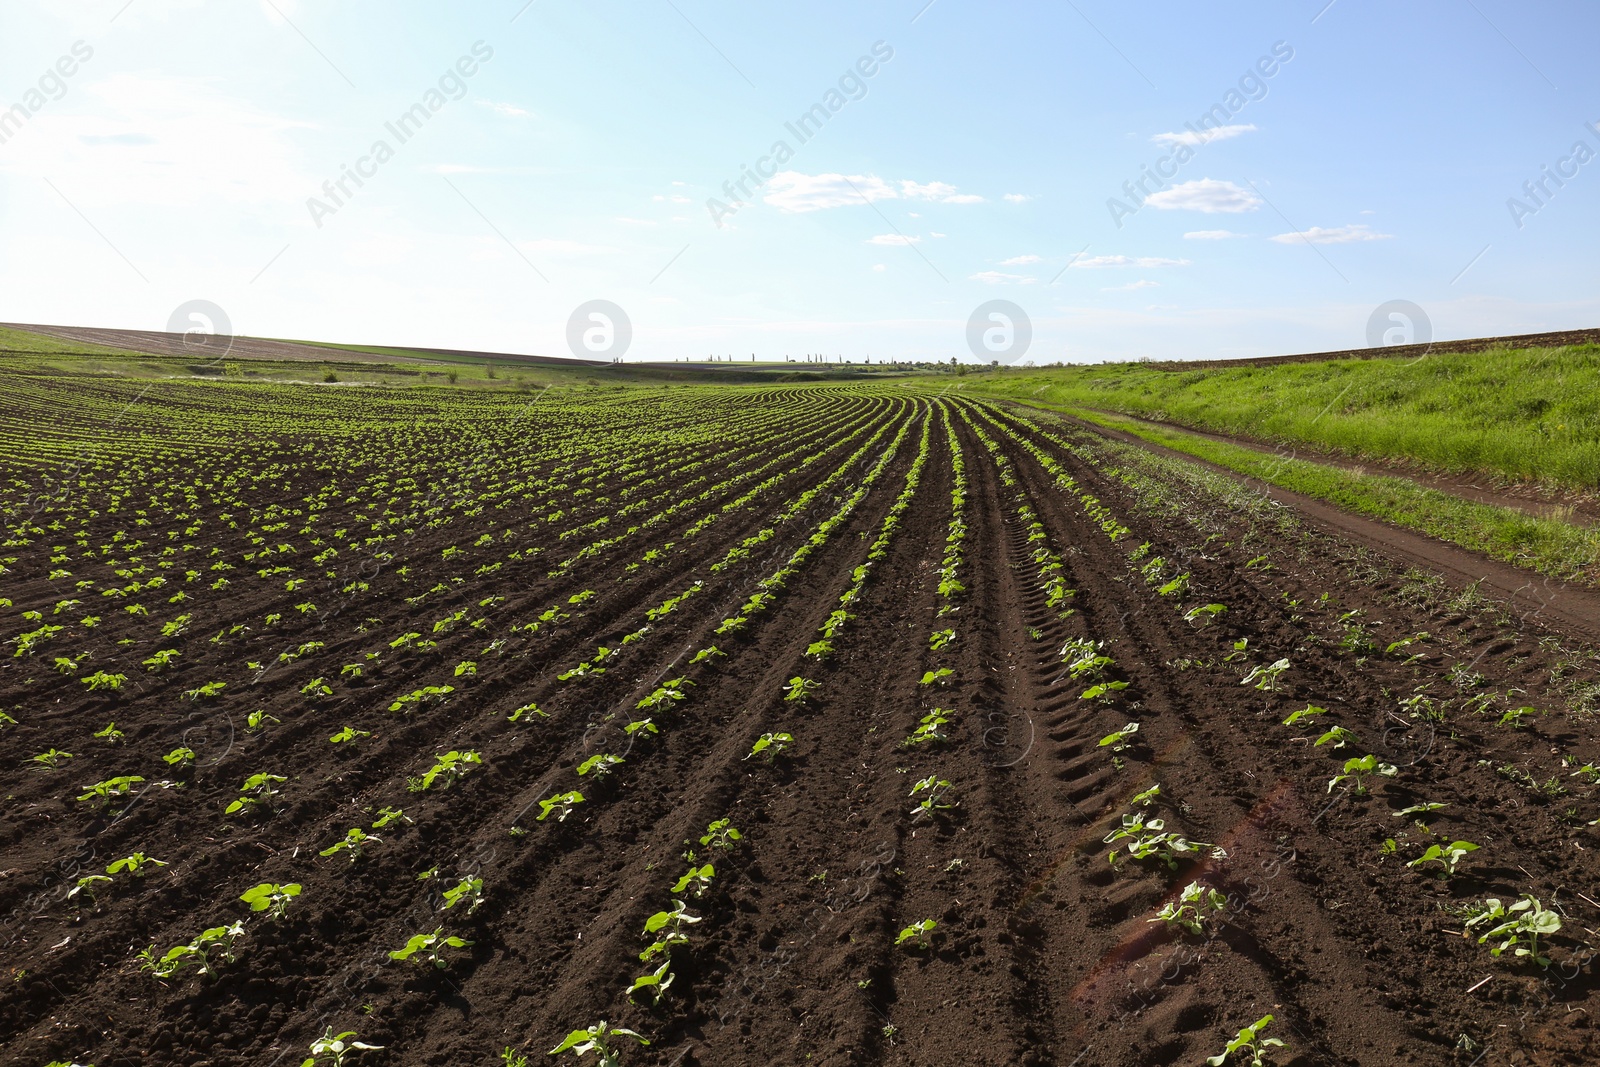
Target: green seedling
389,815
800,689
1517,927
110,733
721,834
928,730
1516,718
657,982
1447,856
89,884
260,720
1338,737
1119,740
134,865
529,708
271,898
1249,1042
599,1038
429,948
510,1057
936,677
600,764
219,939
1194,906
638,726
179,758
697,880
706,654
1360,768
206,691
1204,615
561,804
1265,678
102,793
1419,810
939,639
336,1047
468,891
52,757
819,649
1103,692
1241,649
349,733
933,803
771,745
1309,713
257,789
447,769
919,932
101,680
355,840
1148,797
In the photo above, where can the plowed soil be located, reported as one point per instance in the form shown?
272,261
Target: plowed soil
1044,952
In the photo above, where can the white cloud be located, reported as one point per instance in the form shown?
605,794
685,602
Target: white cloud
893,239
937,234
510,111
879,267
1146,262
792,191
1021,261
1193,138
1142,283
1016,198
1337,235
1207,195
795,192
1210,235
994,277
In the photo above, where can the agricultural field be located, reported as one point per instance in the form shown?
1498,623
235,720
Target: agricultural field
817,724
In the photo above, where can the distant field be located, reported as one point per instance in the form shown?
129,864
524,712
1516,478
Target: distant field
1523,414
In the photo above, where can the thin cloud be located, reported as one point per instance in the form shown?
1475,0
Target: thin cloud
795,192
1021,261
1143,262
1210,235
1142,283
995,277
510,111
1205,195
893,239
1016,198
1194,138
1337,235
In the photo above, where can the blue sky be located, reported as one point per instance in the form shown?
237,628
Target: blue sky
977,161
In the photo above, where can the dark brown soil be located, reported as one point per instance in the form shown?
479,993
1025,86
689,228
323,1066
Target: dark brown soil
1044,952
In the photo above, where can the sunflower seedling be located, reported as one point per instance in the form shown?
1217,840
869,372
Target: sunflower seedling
110,733
673,920
468,891
336,1047
919,932
218,939
1337,736
1103,692
933,803
599,1038
936,677
429,948
697,880
721,834
259,720
52,757
1308,713
355,839
928,730
1518,926
1419,810
90,884
800,689
529,708
134,864
257,789
447,769
1194,906
271,898
1119,741
939,639
389,815
1360,768
657,982
1446,856
561,804
349,733
771,745
1249,1042
1265,678
179,758
102,793
600,764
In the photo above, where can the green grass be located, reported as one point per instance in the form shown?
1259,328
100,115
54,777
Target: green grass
1546,545
1524,414
38,344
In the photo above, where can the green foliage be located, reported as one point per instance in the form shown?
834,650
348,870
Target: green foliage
919,933
1249,1043
1517,926
355,841
468,891
1361,768
600,1039
771,745
562,804
336,1047
1195,906
271,898
446,770
196,953
1119,740
430,948
721,834
1447,856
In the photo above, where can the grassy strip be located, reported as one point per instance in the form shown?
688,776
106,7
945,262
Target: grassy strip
1524,414
1548,546
29,343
